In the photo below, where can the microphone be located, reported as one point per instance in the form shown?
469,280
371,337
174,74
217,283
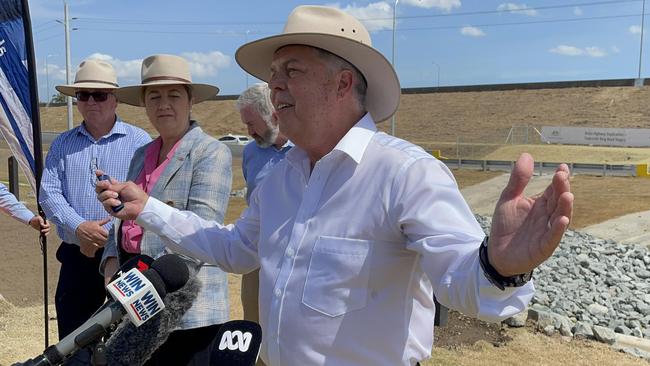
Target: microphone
141,262
131,345
238,344
136,294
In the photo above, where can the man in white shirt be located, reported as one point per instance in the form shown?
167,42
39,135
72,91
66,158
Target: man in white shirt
354,231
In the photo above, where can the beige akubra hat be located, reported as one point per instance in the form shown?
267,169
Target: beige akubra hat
164,70
92,74
339,33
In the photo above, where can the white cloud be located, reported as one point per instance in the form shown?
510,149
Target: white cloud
595,52
635,29
53,72
577,11
206,64
379,15
567,50
446,5
125,69
374,16
577,51
472,31
615,49
202,65
517,8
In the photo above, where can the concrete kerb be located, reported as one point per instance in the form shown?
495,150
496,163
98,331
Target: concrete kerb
624,341
546,320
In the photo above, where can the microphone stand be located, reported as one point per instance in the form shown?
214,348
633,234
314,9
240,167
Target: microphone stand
98,354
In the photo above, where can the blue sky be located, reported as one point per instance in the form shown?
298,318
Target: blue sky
445,42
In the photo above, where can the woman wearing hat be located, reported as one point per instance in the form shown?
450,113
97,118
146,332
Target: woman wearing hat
187,169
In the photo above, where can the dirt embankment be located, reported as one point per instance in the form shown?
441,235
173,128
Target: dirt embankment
445,117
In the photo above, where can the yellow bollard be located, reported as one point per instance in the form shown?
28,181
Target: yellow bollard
642,170
436,154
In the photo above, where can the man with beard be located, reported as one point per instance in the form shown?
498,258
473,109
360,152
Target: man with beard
269,147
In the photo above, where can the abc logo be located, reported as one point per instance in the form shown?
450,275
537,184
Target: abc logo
235,340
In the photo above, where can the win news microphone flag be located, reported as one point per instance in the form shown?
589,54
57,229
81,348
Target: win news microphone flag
19,116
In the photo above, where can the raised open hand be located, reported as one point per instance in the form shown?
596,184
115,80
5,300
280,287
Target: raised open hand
526,230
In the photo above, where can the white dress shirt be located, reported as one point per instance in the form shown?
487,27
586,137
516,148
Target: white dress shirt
351,253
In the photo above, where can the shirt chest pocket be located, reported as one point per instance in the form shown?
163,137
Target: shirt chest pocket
338,275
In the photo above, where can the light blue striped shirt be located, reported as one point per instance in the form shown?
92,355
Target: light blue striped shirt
67,192
10,205
258,161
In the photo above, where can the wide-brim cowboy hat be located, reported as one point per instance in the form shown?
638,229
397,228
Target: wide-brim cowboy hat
165,70
92,74
339,33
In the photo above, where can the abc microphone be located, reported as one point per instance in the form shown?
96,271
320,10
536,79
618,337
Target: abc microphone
237,344
138,295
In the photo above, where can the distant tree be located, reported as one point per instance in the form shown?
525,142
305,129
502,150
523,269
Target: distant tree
58,98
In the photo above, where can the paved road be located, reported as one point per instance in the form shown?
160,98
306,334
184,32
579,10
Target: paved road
483,196
632,228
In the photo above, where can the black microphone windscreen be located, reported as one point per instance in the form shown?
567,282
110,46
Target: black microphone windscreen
236,344
157,282
131,345
173,270
141,262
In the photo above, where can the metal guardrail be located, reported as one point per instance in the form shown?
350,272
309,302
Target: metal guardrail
545,167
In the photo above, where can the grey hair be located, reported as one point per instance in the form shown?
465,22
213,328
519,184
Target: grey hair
336,63
259,97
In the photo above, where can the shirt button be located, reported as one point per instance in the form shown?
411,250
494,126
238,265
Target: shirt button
290,252
278,292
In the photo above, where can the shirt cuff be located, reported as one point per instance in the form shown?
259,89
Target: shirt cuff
73,223
25,217
502,303
155,215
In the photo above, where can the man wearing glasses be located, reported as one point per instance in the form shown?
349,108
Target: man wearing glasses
67,193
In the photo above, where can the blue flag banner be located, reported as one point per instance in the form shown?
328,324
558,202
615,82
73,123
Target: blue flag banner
15,102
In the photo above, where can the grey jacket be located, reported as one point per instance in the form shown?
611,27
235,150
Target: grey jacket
197,179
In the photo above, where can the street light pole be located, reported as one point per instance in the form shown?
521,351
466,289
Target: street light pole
246,41
47,84
641,45
68,70
438,66
392,121
47,78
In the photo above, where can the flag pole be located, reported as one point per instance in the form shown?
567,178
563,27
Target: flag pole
38,148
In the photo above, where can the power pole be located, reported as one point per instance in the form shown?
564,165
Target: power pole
68,70
47,83
392,60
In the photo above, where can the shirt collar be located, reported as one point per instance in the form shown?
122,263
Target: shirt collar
354,143
287,144
119,128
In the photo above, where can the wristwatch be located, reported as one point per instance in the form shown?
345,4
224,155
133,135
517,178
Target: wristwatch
494,277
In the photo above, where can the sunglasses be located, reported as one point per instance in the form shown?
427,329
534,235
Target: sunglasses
97,96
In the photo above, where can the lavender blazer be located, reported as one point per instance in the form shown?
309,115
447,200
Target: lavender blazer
197,179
